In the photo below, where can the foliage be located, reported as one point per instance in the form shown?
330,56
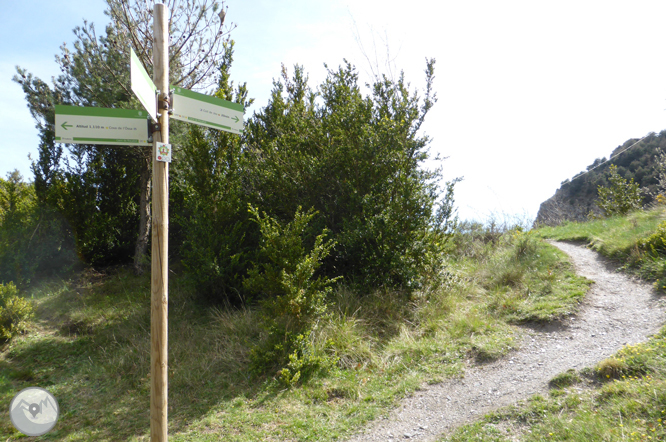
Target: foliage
636,241
620,197
655,243
15,311
198,36
95,188
104,192
92,342
660,166
356,160
33,240
218,239
293,301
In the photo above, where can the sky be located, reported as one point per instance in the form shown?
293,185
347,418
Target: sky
529,92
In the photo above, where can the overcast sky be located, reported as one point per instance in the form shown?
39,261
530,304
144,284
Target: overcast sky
530,92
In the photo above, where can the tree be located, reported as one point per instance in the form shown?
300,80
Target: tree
356,160
352,158
621,197
96,73
209,186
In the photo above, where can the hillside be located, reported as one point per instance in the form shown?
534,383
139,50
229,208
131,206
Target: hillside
502,295
575,198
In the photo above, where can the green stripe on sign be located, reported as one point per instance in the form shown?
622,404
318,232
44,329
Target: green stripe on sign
208,99
107,140
230,129
208,122
100,112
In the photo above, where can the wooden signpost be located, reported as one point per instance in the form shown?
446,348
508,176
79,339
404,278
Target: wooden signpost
130,127
159,286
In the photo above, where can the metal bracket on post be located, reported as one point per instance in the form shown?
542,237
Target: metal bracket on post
164,102
153,127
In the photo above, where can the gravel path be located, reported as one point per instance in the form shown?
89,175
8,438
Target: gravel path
617,310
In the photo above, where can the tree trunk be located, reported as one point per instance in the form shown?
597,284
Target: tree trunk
144,214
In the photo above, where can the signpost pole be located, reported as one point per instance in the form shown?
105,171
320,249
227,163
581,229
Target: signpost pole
160,232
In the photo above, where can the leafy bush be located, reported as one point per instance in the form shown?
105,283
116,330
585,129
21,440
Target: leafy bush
33,239
655,243
219,239
355,159
293,301
621,197
15,311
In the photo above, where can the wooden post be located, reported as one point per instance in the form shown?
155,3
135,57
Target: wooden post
160,243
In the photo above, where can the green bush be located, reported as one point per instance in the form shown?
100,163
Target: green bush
356,159
655,244
15,311
33,238
621,197
652,256
293,300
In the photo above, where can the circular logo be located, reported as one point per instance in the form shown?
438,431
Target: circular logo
34,411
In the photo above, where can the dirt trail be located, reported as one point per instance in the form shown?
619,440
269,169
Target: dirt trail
617,310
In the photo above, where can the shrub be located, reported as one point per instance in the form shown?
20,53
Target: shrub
293,301
611,368
655,244
621,197
33,239
15,311
355,158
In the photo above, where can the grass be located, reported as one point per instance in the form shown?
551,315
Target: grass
623,398
636,242
89,345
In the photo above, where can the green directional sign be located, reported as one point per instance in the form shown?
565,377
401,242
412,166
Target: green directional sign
94,125
208,111
143,86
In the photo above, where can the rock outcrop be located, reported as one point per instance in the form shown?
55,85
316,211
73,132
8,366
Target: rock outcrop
575,199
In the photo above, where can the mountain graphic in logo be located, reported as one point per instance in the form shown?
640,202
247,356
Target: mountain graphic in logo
34,411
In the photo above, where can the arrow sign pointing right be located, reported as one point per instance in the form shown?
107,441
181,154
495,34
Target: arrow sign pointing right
207,110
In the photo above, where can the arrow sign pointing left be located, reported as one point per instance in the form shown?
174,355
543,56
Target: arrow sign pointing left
95,125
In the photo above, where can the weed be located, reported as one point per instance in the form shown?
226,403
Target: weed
566,379
15,312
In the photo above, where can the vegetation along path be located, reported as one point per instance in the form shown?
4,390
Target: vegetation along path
617,310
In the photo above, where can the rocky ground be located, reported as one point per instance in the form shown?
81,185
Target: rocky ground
617,310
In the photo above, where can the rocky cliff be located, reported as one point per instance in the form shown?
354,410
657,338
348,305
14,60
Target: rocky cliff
575,198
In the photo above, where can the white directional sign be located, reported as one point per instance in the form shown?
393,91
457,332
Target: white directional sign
143,86
95,125
208,111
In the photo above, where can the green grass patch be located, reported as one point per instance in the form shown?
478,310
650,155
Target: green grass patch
637,242
89,344
521,278
624,398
